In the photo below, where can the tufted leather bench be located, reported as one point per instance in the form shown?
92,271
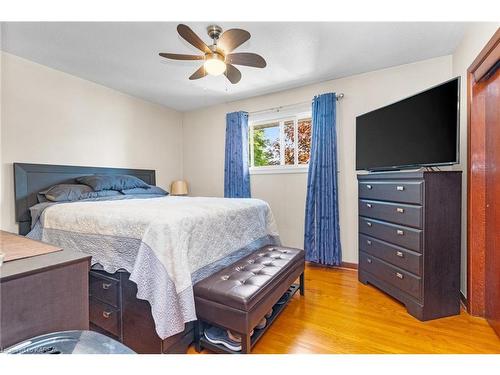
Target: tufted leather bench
239,296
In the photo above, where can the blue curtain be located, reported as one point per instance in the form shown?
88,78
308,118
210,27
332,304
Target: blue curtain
322,231
236,174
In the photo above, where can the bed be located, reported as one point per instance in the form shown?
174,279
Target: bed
157,248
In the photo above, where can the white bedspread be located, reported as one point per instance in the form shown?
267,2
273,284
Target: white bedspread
177,237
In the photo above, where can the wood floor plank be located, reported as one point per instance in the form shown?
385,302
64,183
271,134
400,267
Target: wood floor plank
340,315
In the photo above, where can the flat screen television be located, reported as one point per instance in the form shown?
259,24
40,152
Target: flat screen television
419,131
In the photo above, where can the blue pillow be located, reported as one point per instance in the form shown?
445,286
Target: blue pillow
117,182
74,192
151,190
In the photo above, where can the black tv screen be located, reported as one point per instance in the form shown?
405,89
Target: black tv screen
421,130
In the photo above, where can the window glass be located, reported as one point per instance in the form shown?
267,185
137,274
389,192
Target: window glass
266,144
289,142
304,140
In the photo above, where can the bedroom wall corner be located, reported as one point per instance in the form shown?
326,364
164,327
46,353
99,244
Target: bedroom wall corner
475,38
52,117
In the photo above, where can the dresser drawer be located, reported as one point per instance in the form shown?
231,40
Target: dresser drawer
395,191
402,280
103,288
410,238
104,316
398,213
398,256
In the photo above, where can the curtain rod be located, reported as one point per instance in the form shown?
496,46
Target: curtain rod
339,96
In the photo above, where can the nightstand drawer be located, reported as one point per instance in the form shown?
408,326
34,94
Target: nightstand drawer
398,256
396,234
104,316
402,280
397,213
394,191
103,288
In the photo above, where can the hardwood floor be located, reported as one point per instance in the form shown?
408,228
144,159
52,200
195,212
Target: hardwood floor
340,315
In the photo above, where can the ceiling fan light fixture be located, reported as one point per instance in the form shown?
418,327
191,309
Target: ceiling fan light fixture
218,57
214,64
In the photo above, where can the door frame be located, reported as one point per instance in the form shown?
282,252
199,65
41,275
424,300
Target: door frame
476,180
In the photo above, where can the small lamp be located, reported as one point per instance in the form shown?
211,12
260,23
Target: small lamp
179,187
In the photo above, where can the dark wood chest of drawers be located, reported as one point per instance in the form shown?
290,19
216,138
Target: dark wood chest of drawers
409,239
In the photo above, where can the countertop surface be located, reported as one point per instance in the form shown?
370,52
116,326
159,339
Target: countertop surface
40,256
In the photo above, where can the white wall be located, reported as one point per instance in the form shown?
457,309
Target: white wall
475,38
1,90
204,129
55,118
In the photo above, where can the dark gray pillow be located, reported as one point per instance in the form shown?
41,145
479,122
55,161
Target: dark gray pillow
117,182
74,192
152,190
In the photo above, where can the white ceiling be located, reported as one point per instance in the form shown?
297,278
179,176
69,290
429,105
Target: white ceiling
124,55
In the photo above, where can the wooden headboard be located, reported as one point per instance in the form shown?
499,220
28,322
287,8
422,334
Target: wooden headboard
29,179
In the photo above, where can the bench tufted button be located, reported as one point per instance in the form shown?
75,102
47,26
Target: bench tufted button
251,261
225,277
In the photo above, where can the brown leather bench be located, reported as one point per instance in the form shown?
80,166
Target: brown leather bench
239,296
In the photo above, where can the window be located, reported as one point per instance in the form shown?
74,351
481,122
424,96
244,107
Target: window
280,143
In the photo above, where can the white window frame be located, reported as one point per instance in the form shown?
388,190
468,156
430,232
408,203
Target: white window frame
281,119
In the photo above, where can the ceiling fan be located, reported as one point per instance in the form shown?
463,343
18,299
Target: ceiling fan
218,57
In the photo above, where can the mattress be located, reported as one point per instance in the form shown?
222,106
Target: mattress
167,244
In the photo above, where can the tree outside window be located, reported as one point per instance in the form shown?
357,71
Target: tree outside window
285,142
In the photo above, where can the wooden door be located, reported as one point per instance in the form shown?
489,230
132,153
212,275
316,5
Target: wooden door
491,86
484,184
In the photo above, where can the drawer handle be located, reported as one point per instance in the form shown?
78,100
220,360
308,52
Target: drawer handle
368,223
106,314
400,254
368,205
368,260
400,232
369,187
106,286
399,275
369,242
400,188
400,210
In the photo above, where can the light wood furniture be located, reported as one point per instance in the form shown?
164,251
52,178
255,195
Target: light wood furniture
409,239
339,315
41,294
17,247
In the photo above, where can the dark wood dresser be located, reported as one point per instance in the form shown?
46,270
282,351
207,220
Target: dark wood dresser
409,239
116,312
41,294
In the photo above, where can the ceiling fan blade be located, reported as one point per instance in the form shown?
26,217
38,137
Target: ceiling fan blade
177,56
193,39
232,38
247,59
232,73
200,73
